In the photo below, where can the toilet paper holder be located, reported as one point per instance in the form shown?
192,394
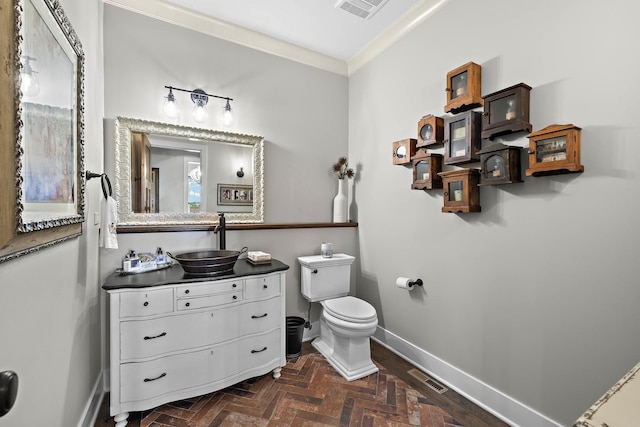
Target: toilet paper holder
418,282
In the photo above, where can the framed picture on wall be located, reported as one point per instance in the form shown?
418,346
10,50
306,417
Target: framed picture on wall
42,176
235,194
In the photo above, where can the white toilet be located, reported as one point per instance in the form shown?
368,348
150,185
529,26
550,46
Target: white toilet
346,322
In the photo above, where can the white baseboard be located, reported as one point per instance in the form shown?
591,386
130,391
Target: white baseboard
488,398
90,413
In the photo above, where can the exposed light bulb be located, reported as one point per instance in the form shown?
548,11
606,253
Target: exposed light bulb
200,99
200,113
170,107
29,85
227,115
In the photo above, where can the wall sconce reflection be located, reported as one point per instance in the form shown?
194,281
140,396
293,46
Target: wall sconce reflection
29,84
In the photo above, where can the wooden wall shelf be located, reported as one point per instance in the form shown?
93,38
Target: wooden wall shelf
123,229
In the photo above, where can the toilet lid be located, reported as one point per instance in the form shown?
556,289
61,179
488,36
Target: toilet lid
350,309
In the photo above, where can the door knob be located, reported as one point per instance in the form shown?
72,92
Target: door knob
8,391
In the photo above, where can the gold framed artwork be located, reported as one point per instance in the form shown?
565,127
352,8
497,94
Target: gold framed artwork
42,171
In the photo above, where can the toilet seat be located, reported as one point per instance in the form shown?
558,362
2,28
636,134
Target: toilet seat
350,309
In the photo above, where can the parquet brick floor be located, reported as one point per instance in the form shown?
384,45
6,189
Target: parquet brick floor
310,393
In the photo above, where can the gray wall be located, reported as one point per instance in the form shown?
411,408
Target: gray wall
538,294
302,112
49,300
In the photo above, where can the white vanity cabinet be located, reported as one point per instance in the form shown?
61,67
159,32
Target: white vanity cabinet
178,340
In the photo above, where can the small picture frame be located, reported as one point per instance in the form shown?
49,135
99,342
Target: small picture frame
235,194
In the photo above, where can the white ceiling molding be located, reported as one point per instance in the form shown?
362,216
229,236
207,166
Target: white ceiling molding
224,30
414,17
186,18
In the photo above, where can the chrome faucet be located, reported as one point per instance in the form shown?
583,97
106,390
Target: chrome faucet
222,229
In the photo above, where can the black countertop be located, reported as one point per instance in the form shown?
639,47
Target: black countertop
176,275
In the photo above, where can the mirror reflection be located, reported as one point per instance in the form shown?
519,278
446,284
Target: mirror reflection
175,174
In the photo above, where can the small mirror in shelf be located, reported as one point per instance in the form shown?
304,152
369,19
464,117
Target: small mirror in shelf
430,131
403,151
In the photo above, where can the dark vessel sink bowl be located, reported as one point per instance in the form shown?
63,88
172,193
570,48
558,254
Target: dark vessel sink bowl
208,263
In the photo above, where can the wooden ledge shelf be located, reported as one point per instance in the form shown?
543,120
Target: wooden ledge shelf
122,229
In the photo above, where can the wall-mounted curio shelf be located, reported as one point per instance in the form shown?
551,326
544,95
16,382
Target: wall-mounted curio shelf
462,138
425,171
499,164
463,88
554,150
403,150
506,111
461,191
430,131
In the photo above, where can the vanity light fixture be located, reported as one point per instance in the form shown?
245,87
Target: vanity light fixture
170,107
200,99
29,84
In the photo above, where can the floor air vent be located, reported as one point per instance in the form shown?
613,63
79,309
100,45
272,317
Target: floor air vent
364,9
428,381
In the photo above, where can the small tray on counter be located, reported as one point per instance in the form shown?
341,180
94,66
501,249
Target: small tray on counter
146,270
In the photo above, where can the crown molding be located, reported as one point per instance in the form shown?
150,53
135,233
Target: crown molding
189,19
405,24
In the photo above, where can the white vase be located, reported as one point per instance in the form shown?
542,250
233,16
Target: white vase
340,202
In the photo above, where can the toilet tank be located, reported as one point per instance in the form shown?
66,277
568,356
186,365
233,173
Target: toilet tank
325,278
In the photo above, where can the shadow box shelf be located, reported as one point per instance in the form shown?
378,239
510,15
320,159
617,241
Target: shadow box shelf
462,138
554,150
426,167
463,88
461,191
506,111
403,151
430,131
500,164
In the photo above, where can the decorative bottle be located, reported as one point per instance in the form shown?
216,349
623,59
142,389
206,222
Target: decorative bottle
340,202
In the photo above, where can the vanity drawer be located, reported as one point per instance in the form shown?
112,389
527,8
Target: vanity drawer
262,287
146,303
208,288
146,380
209,301
140,339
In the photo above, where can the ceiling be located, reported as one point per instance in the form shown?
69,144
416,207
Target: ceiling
313,24
314,32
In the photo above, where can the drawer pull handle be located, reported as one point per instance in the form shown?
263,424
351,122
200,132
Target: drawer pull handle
235,297
234,286
186,291
259,351
259,317
265,286
146,303
187,304
164,374
157,336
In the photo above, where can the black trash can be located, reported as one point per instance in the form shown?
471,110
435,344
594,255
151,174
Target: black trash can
295,330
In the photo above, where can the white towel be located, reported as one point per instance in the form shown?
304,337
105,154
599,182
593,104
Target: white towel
109,216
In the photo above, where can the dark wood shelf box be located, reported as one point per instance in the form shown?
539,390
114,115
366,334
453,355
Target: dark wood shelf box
425,171
506,111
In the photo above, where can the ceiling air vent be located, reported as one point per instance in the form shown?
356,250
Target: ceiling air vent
364,9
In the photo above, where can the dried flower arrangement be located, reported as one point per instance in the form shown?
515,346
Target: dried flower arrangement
342,169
